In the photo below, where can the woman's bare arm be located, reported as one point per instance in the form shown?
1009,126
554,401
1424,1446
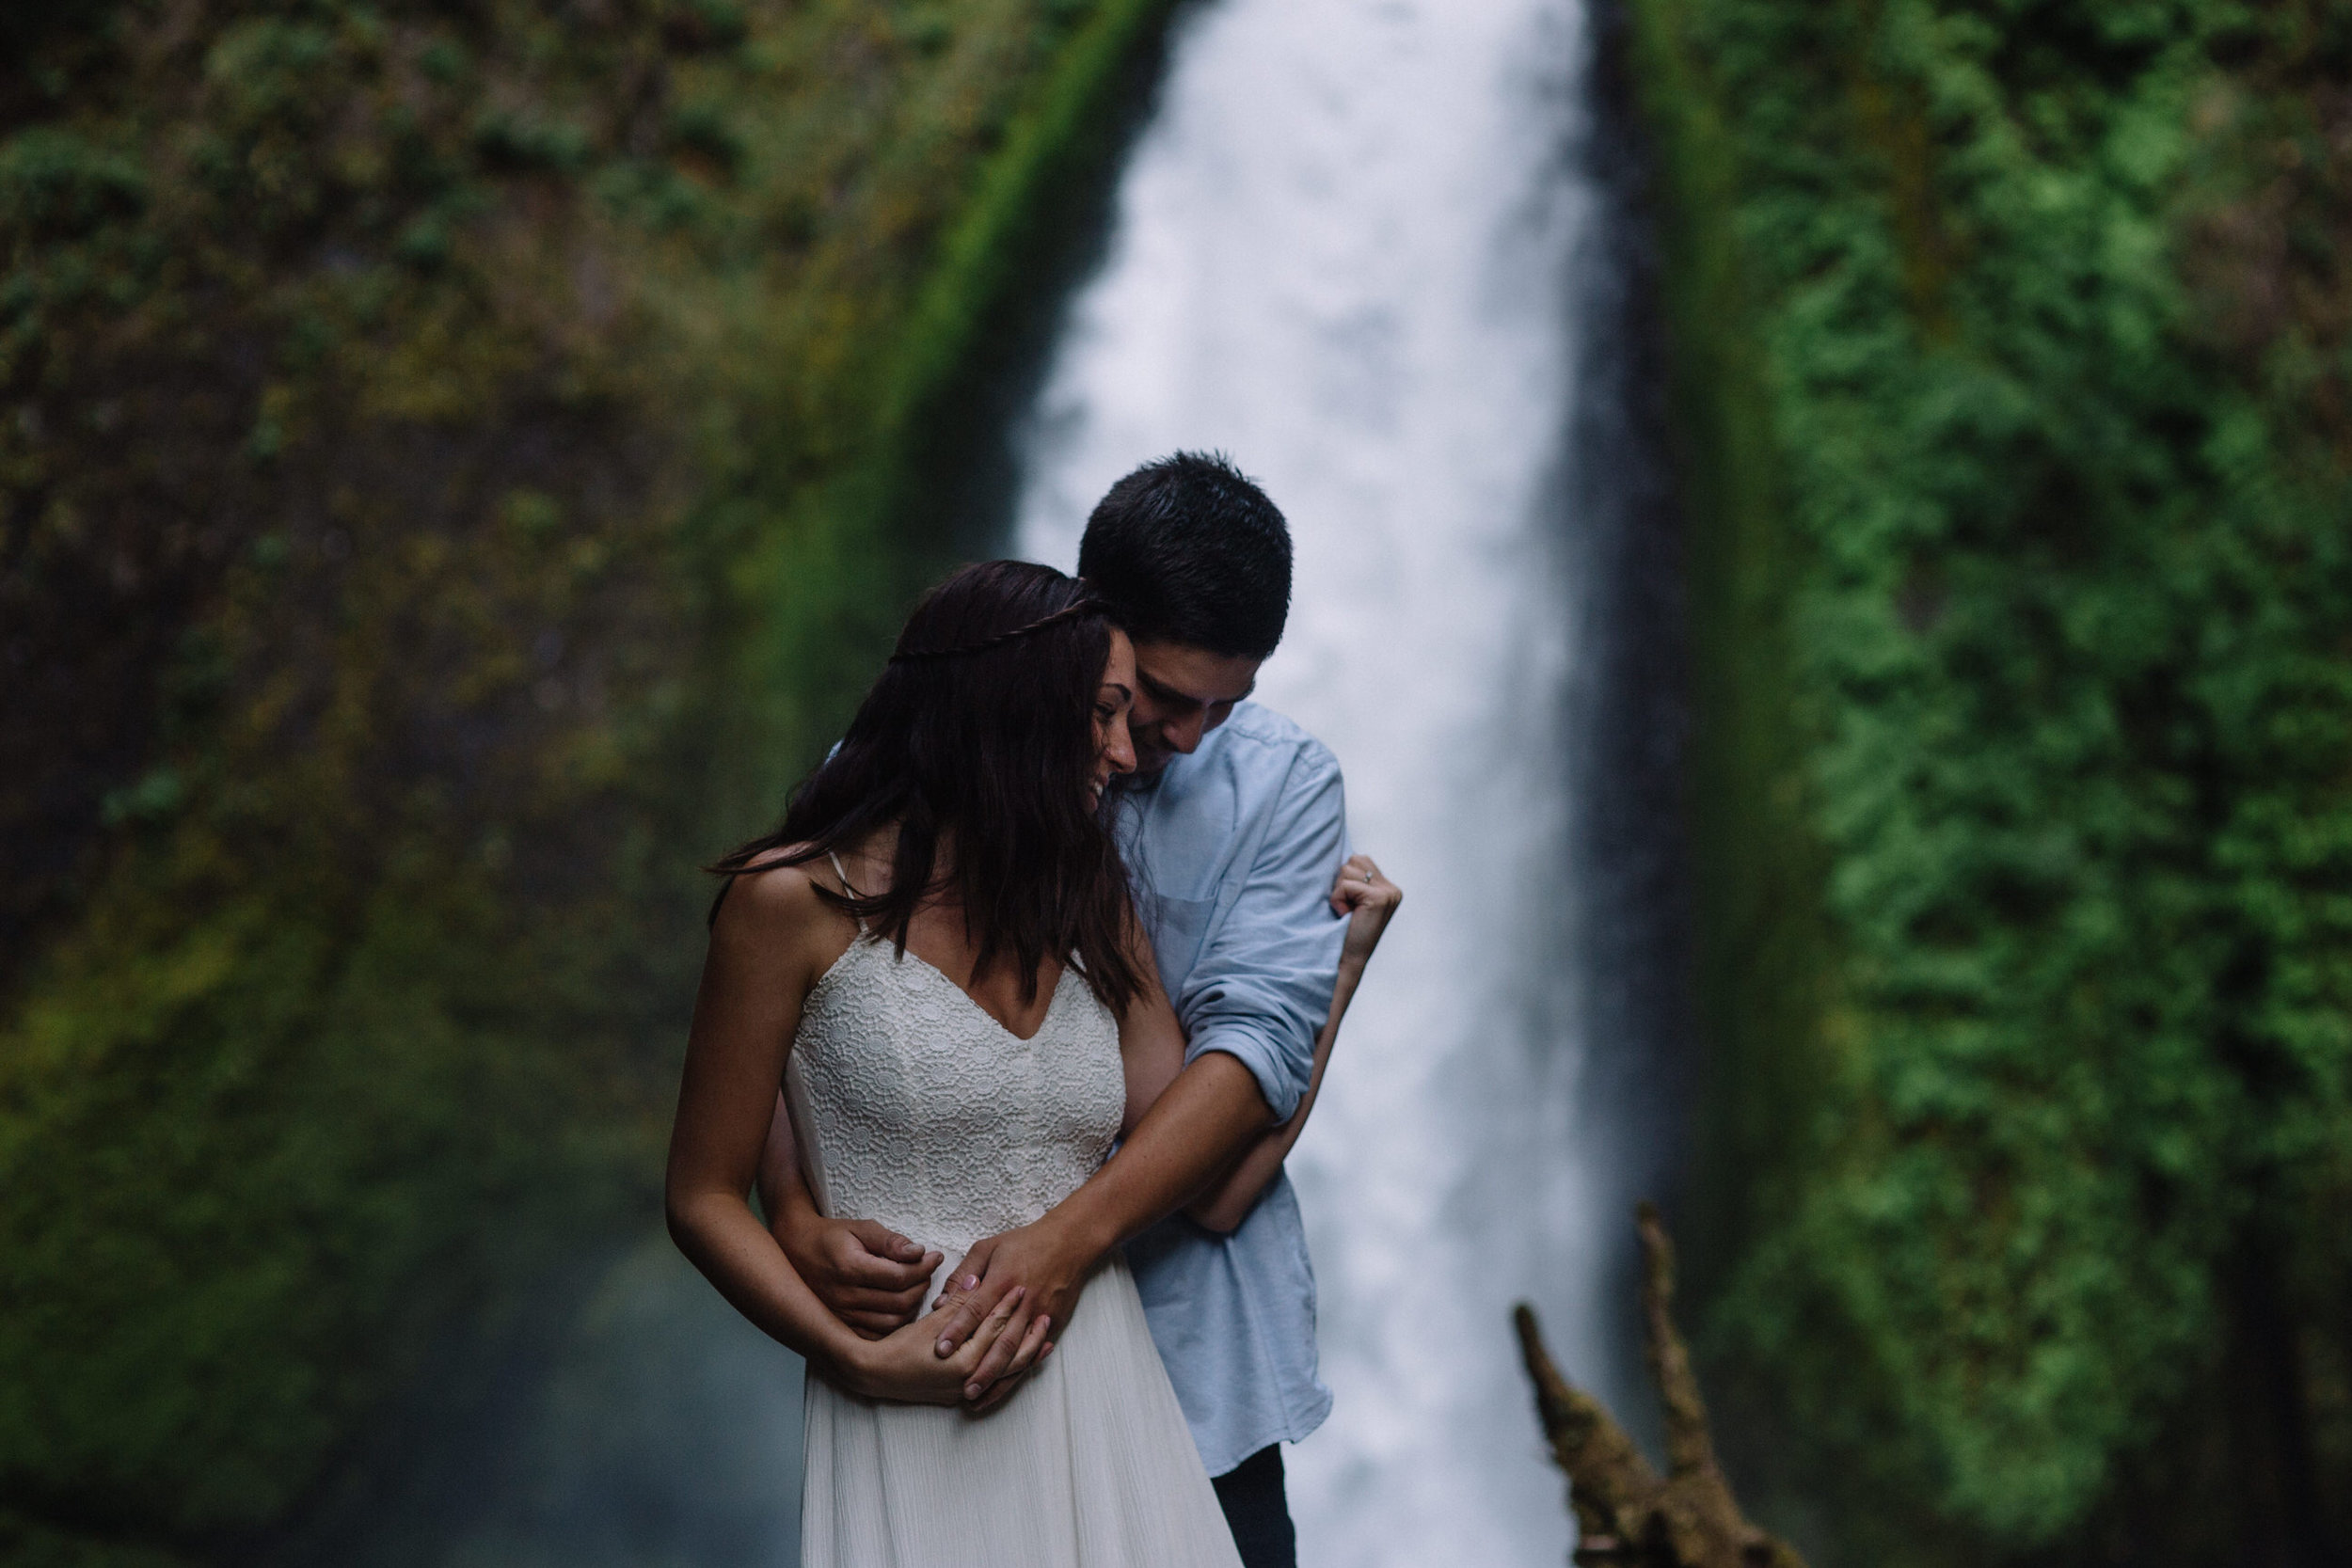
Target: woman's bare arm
1367,899
757,974
771,941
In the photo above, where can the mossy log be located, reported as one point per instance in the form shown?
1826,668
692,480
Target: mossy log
1625,1513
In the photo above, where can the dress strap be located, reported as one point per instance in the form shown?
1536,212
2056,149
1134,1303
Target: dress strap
848,888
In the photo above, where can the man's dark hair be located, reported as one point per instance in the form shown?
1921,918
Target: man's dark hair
1188,549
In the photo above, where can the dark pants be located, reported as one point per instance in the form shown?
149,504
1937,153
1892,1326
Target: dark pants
1257,1513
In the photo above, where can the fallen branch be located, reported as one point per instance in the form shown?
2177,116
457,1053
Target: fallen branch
1625,1514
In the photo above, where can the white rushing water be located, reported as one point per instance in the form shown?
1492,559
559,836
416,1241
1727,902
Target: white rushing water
1343,253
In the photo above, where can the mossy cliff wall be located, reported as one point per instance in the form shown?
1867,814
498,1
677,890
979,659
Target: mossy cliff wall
460,462
2012,350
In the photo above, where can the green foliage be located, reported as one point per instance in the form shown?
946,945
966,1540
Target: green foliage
2018,341
457,466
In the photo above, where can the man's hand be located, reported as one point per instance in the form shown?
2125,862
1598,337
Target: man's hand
867,1274
1046,1259
1367,899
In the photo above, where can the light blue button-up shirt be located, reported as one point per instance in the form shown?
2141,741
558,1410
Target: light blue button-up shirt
1233,852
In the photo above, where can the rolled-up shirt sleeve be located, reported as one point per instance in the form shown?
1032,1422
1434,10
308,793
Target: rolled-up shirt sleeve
1263,986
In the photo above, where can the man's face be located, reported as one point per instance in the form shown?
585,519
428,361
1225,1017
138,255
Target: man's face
1181,693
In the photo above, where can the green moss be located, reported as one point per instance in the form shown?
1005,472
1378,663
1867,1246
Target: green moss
28,1544
2017,468
460,466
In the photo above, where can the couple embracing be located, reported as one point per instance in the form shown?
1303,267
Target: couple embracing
1040,975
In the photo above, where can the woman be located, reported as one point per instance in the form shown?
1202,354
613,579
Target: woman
937,956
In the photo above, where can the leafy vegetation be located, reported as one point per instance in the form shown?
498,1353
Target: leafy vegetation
2014,375
459,460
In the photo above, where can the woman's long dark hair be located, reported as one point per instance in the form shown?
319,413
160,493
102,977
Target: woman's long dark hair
981,730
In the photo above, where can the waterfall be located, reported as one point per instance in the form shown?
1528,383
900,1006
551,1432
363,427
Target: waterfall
1356,248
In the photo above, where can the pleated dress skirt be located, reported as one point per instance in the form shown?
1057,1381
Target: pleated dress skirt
1088,1464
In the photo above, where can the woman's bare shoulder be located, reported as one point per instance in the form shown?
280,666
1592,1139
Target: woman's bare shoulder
774,897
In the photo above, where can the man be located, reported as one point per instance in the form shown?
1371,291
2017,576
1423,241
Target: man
1234,826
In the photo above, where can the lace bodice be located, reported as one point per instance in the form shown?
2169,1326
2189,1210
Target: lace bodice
913,1107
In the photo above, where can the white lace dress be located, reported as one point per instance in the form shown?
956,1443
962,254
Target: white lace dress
913,1107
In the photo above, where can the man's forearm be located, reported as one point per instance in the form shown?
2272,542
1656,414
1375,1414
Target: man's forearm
1223,1206
1191,1135
1194,1130
784,1195
1224,1202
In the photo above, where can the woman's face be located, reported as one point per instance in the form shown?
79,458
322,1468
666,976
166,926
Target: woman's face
1114,750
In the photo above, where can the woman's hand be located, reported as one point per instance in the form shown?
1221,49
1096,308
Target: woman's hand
1367,899
906,1366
